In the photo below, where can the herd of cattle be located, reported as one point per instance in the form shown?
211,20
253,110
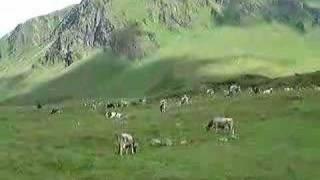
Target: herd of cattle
126,142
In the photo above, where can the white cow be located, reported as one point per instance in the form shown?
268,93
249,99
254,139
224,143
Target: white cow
124,103
93,107
76,124
143,101
185,100
221,123
126,144
163,105
288,89
234,89
210,92
268,91
112,115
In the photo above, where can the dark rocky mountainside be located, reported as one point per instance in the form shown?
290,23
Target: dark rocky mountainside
85,25
64,35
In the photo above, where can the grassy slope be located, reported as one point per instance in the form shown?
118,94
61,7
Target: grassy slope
263,49
185,59
217,53
313,3
277,141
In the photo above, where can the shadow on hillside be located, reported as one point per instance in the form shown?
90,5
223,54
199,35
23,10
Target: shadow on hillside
109,76
9,85
11,82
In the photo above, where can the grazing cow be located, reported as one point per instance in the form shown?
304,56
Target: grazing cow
254,90
126,144
288,89
111,105
39,106
85,103
143,101
163,105
112,115
76,124
221,123
234,89
118,104
55,110
185,100
210,92
100,103
124,103
268,91
93,107
251,90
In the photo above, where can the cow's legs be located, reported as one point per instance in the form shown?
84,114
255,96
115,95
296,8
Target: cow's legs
127,149
121,150
232,130
131,147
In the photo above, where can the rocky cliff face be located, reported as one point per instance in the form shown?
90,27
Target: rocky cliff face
97,24
91,25
34,32
85,25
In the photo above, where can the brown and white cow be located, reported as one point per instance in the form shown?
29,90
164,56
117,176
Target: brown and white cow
185,100
210,92
126,144
268,91
221,123
163,105
112,115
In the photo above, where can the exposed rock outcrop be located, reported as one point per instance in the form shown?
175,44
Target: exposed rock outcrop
33,33
241,11
85,26
133,42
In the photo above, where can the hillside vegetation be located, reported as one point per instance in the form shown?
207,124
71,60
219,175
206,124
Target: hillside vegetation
188,59
100,51
160,45
277,140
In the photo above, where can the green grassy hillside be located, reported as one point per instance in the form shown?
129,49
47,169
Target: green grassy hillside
173,47
185,60
313,3
277,140
189,41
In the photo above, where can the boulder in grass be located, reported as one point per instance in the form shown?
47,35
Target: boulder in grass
155,142
223,139
167,142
